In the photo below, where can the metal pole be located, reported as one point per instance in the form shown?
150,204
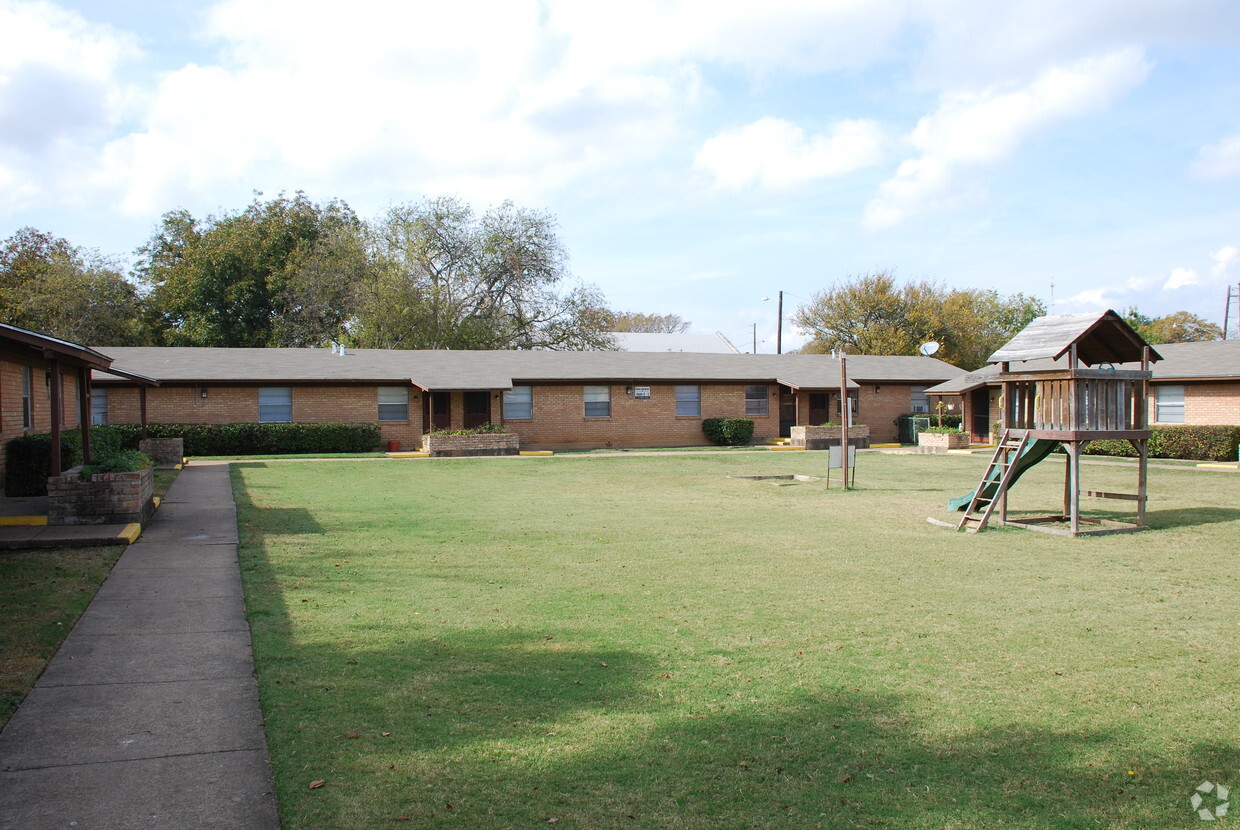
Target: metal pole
844,419
755,338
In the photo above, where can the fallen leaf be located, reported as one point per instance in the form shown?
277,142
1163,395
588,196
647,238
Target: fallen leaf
354,735
604,665
552,820
385,734
318,782
402,818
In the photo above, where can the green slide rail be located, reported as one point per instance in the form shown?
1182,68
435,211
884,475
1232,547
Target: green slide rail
1033,452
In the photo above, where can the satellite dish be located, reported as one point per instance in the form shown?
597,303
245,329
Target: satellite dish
929,348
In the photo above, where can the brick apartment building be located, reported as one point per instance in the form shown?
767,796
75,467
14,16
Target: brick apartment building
552,400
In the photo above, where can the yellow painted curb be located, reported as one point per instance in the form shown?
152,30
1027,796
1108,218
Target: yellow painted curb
536,452
130,534
28,521
407,454
1219,466
885,446
784,448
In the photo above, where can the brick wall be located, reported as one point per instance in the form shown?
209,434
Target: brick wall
1215,403
105,498
11,402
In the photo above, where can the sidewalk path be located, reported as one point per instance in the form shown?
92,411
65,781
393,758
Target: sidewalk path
148,715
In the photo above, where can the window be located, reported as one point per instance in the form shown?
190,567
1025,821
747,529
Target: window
920,400
275,404
688,401
757,403
393,403
519,403
27,400
99,406
1169,407
598,401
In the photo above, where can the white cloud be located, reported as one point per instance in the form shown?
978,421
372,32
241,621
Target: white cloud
1225,259
775,153
974,129
1181,277
1220,160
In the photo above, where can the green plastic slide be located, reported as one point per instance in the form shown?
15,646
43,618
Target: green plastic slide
1033,452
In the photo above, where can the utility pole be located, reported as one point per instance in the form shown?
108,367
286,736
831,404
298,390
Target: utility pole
779,327
844,411
1233,298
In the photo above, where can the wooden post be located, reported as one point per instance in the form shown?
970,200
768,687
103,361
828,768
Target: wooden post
142,408
84,410
54,382
1074,462
1143,453
844,412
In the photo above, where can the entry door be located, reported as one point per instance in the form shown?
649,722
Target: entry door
787,412
477,409
441,409
980,404
819,411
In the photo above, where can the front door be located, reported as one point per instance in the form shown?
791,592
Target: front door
819,412
787,412
477,409
441,409
979,404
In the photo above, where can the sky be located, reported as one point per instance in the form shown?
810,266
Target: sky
699,155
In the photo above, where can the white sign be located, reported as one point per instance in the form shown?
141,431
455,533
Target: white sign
835,458
641,391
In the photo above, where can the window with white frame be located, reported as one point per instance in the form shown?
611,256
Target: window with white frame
27,399
597,401
275,404
99,406
757,402
1169,404
920,401
519,403
393,403
688,401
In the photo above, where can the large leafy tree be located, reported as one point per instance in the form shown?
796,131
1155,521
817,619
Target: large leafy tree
280,273
443,277
49,285
1177,327
634,321
875,314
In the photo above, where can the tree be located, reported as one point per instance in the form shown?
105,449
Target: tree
49,285
443,277
633,321
1178,327
872,314
279,273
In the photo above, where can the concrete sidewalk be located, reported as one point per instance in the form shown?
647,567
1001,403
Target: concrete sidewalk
148,715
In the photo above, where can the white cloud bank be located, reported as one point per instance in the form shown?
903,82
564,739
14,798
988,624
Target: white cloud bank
974,129
773,152
1218,161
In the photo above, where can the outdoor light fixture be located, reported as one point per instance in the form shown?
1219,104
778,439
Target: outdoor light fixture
628,390
203,391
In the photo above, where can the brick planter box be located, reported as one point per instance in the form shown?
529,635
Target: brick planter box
486,443
819,438
165,452
106,498
943,441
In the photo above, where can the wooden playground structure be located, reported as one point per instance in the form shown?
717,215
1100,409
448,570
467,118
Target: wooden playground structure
1066,392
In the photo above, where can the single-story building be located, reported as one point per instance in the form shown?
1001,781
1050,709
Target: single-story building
552,400
1194,383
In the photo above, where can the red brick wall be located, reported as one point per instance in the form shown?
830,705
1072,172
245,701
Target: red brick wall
11,402
1206,403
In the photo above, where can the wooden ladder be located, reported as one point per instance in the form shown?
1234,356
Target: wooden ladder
980,507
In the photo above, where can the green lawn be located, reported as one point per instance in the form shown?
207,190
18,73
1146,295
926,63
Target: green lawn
644,642
42,593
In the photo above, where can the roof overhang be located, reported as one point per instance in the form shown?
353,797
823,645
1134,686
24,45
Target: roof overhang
49,347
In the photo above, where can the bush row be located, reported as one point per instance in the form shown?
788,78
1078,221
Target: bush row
28,461
906,428
1196,443
728,431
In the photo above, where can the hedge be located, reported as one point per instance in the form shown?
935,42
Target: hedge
1196,443
28,461
249,439
728,431
905,426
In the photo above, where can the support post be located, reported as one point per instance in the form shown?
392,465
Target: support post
1143,453
142,408
844,413
84,410
54,383
1074,461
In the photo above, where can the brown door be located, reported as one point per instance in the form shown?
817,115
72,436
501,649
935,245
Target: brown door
477,409
819,413
980,404
441,409
787,412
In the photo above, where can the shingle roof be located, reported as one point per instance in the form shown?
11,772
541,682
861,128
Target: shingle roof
462,370
1099,338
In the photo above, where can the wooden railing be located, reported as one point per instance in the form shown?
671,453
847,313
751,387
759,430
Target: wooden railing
1097,401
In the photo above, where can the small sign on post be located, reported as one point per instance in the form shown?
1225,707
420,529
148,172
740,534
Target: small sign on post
836,461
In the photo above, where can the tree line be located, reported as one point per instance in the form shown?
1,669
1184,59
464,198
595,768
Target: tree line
288,271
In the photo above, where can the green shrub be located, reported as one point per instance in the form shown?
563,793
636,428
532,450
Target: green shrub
485,429
125,461
906,428
250,439
944,430
1196,443
728,431
28,461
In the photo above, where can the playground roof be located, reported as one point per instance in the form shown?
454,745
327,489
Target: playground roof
1099,338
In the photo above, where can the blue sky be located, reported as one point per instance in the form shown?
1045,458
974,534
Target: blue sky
699,155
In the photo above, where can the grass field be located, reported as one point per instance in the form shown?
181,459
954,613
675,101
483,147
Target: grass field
646,642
